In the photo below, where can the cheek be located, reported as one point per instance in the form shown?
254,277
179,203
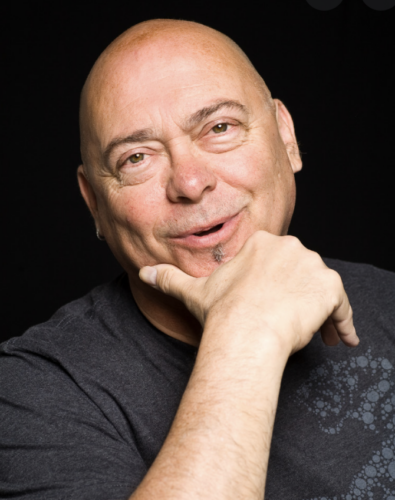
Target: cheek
252,169
265,174
135,210
131,216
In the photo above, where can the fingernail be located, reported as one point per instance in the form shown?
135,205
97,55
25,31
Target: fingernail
148,275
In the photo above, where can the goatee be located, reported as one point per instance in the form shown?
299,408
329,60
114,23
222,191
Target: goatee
218,253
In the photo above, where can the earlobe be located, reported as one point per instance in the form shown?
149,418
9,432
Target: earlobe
287,133
86,191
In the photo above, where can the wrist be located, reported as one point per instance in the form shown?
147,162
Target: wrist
251,336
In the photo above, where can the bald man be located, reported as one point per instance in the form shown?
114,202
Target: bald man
166,382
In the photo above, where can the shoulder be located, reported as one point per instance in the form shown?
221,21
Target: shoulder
74,323
59,405
66,351
62,370
46,366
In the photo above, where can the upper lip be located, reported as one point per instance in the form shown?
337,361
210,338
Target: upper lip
206,227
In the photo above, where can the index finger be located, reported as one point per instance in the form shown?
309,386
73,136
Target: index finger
342,320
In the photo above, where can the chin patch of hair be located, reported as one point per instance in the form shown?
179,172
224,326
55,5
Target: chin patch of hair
218,252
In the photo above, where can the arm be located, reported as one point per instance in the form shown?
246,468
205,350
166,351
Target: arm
218,446
257,309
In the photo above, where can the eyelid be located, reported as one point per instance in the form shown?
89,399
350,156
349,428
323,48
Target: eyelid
231,122
144,150
222,123
143,160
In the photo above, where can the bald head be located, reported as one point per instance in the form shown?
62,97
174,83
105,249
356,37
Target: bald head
163,39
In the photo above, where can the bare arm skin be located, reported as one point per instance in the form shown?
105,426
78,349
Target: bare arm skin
257,309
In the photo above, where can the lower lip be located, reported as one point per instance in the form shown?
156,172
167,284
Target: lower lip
212,239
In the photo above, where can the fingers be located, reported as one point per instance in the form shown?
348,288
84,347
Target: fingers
148,275
342,321
169,279
329,333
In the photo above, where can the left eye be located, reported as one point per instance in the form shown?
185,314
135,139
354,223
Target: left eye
137,157
220,127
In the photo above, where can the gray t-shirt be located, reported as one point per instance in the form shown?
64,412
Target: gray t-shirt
87,399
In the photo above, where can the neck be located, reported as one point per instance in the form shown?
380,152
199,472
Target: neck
166,313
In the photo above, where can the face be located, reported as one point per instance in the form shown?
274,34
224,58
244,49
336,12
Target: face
187,161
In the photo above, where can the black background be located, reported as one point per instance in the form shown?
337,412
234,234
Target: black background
333,70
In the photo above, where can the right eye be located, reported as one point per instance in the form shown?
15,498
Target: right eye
136,158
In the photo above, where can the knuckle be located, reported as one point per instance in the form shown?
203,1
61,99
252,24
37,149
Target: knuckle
256,240
291,242
334,278
334,285
315,257
165,279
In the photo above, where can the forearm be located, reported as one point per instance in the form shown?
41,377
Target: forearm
218,446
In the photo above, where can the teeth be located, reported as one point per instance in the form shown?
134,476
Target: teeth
208,231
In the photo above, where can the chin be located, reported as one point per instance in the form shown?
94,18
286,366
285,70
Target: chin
203,267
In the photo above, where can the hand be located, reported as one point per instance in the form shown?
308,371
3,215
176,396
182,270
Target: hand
274,284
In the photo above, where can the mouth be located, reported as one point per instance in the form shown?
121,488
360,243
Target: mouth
209,231
210,235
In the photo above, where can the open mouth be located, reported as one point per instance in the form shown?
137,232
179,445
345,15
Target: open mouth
214,232
209,231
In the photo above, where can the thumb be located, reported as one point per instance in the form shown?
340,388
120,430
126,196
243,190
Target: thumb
168,279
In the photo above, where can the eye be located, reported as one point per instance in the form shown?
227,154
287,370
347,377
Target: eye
136,158
220,127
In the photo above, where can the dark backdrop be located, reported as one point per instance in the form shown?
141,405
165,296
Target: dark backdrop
334,70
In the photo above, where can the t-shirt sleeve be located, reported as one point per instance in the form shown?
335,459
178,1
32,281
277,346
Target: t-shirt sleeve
55,442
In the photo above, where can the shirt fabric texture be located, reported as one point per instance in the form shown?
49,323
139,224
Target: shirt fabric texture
88,397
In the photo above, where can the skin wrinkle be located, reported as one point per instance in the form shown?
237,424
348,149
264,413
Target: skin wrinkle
137,136
149,135
147,82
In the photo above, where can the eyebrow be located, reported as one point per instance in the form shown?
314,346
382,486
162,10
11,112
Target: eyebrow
144,134
204,113
147,134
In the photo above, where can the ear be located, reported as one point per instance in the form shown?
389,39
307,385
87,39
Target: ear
87,192
287,132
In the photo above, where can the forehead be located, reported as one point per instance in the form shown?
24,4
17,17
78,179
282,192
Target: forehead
150,84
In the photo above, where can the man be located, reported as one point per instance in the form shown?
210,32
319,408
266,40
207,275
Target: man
165,383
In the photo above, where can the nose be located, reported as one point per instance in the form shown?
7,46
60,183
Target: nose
190,179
